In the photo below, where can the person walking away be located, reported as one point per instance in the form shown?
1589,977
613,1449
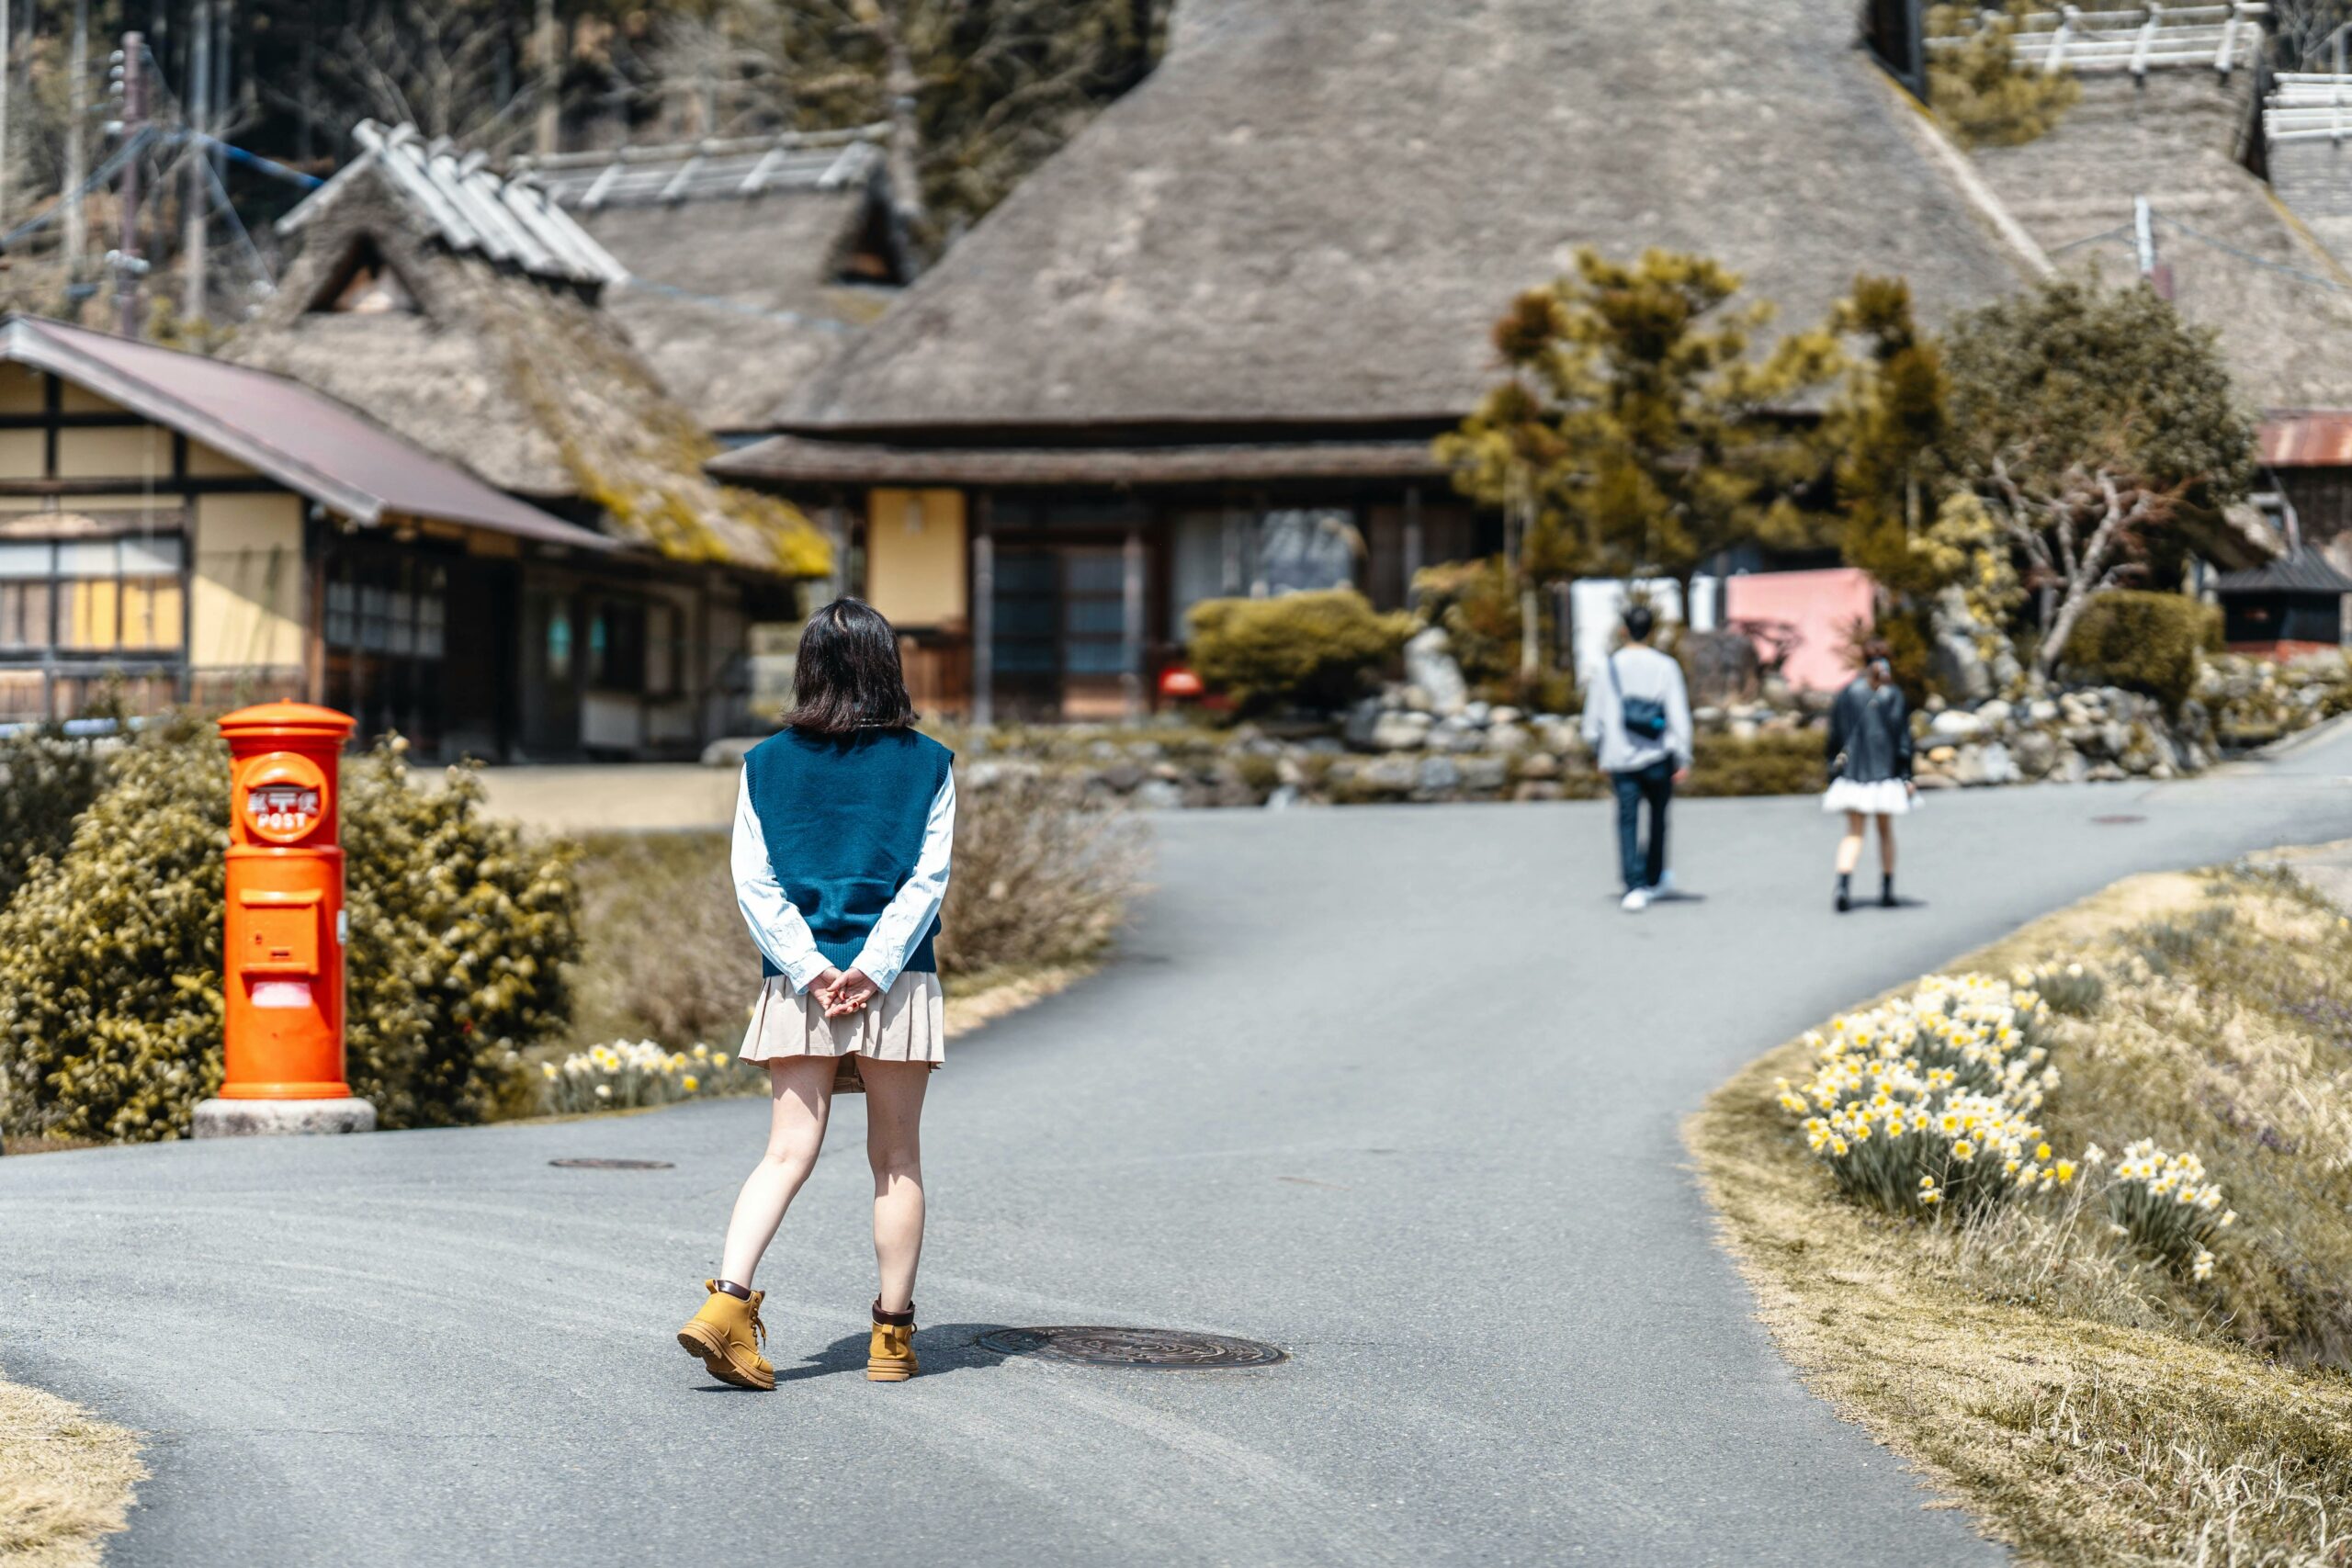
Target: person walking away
1637,720
1870,769
843,827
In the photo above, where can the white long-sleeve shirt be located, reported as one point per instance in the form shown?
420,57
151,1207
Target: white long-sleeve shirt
1642,671
782,933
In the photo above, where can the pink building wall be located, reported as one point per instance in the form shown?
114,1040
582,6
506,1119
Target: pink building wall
1819,609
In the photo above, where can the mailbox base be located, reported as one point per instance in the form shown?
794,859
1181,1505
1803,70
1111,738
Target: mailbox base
268,1118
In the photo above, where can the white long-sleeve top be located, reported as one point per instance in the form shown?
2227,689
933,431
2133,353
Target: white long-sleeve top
781,931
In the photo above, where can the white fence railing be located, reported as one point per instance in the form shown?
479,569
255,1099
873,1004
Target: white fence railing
2144,37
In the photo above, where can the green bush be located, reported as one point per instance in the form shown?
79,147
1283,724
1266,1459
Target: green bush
1304,650
2143,642
46,781
110,1004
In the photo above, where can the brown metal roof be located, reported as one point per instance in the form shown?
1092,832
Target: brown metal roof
304,440
2311,439
793,459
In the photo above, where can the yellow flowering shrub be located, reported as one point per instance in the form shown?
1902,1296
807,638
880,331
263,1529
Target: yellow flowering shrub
634,1073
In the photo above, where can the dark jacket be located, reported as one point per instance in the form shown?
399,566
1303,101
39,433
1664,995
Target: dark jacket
1872,729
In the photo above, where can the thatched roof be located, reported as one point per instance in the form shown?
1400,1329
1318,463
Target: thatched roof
1313,210
519,377
795,460
752,263
2234,251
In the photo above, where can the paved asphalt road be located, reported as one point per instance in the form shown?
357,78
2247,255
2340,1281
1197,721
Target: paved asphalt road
1396,1089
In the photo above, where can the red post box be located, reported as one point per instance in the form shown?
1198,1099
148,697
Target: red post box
284,944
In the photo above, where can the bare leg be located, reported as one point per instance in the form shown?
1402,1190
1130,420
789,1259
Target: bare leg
894,1148
800,1097
1849,848
1885,844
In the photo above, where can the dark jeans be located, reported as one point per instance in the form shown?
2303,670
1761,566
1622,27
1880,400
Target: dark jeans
1653,783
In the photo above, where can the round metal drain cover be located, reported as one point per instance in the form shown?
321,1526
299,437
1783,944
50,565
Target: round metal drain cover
1162,1348
2118,819
612,1164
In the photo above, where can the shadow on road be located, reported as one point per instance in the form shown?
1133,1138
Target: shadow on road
942,1348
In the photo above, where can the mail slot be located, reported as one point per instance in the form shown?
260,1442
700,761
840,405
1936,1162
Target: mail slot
282,947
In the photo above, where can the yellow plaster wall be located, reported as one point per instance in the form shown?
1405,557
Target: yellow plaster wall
115,452
22,453
247,589
204,463
914,555
22,390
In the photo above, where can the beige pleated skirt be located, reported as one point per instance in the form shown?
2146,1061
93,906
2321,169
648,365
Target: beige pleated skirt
908,1023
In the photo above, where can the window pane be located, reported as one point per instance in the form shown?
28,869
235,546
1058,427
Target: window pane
150,612
375,618
343,614
24,614
160,555
86,557
24,695
25,560
89,621
403,615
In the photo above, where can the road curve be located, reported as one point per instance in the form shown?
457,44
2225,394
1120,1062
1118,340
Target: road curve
1394,1088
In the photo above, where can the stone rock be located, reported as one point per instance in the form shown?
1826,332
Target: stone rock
1390,775
1399,731
1536,789
1953,635
1995,713
1122,776
1485,774
1288,774
2073,767
1430,666
1159,795
1507,713
2108,772
1503,736
1414,699
1968,768
1997,765
2041,710
1956,723
1539,765
1942,756
1437,776
1775,693
2036,753
1477,715
1168,772
1744,728
1927,778
1284,797
1454,735
1103,752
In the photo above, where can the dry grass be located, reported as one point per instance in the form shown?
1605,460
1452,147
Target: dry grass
2092,1406
65,1481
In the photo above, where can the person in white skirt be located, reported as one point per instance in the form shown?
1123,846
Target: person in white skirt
1870,769
845,827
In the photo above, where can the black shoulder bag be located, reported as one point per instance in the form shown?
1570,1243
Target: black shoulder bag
1645,718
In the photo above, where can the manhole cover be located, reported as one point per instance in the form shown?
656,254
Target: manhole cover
1131,1347
2120,820
612,1164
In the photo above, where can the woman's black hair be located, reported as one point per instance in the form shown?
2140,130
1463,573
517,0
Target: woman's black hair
848,677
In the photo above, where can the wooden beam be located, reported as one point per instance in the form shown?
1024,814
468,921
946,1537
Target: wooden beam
983,616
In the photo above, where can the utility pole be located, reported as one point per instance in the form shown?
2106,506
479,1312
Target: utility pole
549,121
126,265
77,116
196,202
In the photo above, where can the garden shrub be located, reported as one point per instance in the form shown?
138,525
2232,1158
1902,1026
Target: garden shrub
691,987
1477,604
46,781
1304,650
110,1000
1777,763
2144,642
1041,878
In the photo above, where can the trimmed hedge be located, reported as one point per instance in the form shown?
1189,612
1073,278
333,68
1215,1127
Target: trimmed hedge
1303,650
2143,642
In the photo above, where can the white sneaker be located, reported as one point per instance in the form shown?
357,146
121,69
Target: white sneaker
1665,881
1634,903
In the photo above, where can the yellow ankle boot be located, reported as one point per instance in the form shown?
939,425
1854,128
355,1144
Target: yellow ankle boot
726,1333
890,1354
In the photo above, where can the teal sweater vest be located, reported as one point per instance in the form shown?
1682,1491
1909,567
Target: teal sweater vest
843,818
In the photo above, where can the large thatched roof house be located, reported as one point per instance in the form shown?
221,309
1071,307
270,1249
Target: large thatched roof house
1223,324
1204,348
463,309
751,264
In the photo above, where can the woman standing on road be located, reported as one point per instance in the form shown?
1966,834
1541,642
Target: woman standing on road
1870,769
842,832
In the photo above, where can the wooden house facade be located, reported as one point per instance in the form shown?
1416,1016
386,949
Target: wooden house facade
177,529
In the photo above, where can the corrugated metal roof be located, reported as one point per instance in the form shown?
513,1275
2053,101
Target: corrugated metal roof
2296,571
642,176
470,207
2312,439
304,440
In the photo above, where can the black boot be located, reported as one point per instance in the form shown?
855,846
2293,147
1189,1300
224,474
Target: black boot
1845,893
1887,899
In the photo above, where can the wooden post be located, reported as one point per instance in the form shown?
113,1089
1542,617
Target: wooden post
983,617
1416,548
1234,578
1131,655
